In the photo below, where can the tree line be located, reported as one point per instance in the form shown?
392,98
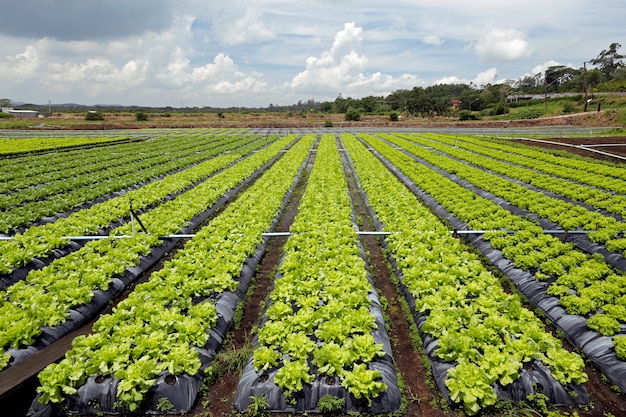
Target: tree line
605,73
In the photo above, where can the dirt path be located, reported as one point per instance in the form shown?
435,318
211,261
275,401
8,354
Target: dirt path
423,399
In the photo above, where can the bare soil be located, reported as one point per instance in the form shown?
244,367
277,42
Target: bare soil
312,120
614,145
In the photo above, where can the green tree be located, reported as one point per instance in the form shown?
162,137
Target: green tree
609,60
5,102
326,107
353,115
559,75
369,104
526,84
94,115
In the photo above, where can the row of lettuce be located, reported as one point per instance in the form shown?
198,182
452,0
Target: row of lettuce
485,334
320,324
46,194
320,329
594,190
53,165
584,283
567,215
110,172
546,161
47,296
40,241
164,327
27,171
13,146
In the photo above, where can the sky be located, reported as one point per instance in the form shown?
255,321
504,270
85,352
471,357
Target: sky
253,53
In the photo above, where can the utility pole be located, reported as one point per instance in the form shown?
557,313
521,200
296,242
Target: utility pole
585,83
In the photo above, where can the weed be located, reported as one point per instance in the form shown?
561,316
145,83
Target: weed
234,360
164,404
330,404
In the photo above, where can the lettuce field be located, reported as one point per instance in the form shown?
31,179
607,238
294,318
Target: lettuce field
225,271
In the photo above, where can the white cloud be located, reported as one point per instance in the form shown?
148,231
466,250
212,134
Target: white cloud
130,72
502,46
342,69
482,78
253,52
223,76
432,40
22,66
486,77
541,68
237,22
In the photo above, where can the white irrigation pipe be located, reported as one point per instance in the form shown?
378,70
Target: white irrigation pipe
584,147
279,234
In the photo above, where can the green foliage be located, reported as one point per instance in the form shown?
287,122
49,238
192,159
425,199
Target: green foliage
141,116
257,406
94,116
394,116
603,324
135,381
470,386
164,404
328,123
527,113
620,346
468,115
234,360
330,404
293,375
453,289
157,327
353,115
569,107
498,109
363,383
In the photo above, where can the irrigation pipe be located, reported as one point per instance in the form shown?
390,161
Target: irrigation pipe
279,234
583,147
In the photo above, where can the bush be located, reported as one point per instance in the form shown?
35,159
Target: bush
328,123
353,115
569,108
393,116
468,115
6,116
141,116
94,115
528,114
498,109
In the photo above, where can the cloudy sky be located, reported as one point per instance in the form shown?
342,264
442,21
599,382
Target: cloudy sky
255,52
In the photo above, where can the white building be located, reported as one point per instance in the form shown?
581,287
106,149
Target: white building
21,113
